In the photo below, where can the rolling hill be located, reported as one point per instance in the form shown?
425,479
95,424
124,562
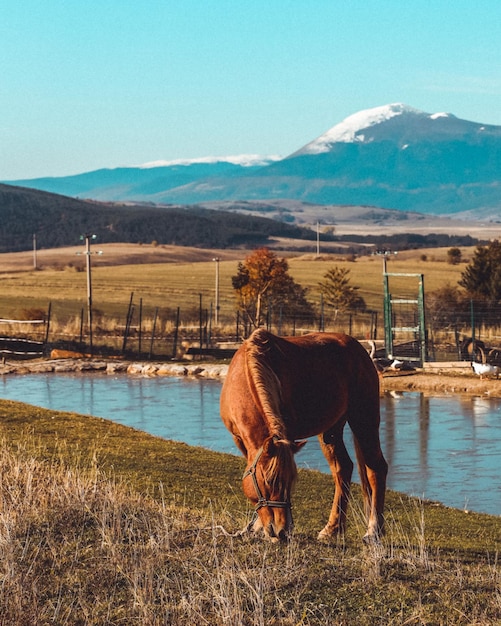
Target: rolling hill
60,221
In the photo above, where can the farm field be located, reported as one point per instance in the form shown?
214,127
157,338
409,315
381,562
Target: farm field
171,277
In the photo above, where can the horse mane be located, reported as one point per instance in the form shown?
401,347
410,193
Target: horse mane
263,381
280,469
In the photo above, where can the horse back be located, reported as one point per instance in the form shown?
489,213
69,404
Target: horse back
299,386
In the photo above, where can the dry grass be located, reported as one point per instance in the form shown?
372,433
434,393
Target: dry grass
165,279
101,524
112,254
81,548
183,275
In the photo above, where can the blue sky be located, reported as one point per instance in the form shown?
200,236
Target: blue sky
108,83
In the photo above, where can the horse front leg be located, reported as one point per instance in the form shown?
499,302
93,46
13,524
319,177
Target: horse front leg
341,467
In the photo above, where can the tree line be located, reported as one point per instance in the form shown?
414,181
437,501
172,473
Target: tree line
477,294
263,280
59,221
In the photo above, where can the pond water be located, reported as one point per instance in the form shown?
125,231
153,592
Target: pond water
443,448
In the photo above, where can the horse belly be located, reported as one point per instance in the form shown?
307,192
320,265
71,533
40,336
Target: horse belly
315,410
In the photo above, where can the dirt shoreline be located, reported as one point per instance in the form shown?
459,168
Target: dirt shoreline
442,381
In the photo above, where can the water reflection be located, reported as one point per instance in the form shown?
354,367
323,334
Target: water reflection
459,445
405,421
444,448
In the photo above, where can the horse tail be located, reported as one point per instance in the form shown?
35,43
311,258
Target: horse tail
263,381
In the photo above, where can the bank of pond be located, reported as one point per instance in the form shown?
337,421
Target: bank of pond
443,448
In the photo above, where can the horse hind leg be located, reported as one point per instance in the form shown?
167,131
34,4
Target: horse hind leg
373,469
341,467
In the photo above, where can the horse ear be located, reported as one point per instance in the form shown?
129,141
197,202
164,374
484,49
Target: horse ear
297,445
269,445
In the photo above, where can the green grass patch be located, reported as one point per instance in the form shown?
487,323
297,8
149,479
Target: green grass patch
104,524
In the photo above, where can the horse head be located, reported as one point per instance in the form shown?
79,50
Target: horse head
268,482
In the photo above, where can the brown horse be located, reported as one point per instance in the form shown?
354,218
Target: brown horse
281,389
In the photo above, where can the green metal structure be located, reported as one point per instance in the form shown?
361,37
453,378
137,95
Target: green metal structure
397,331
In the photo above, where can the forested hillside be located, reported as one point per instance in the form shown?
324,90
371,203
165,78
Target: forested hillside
60,221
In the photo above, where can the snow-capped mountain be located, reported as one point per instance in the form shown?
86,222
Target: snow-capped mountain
392,156
149,181
398,123
245,160
358,127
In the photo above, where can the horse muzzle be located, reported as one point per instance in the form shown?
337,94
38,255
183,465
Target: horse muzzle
273,516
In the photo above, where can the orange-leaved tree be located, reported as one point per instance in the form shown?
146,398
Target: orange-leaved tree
264,279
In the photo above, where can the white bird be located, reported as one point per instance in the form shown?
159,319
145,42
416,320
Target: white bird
485,369
372,344
377,364
385,365
395,365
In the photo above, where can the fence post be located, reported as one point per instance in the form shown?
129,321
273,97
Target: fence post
209,336
140,333
458,343
153,333
472,322
321,323
176,333
200,322
81,325
48,323
128,322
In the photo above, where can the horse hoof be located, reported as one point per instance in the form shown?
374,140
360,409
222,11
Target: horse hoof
323,535
371,540
327,535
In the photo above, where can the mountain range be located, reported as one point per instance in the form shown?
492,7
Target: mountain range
393,156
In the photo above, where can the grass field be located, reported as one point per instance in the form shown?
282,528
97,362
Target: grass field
177,277
103,524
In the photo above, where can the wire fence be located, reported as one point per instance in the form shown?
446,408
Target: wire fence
454,331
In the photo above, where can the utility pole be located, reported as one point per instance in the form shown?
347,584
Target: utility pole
318,234
87,253
34,251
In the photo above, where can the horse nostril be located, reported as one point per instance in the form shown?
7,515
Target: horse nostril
270,531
